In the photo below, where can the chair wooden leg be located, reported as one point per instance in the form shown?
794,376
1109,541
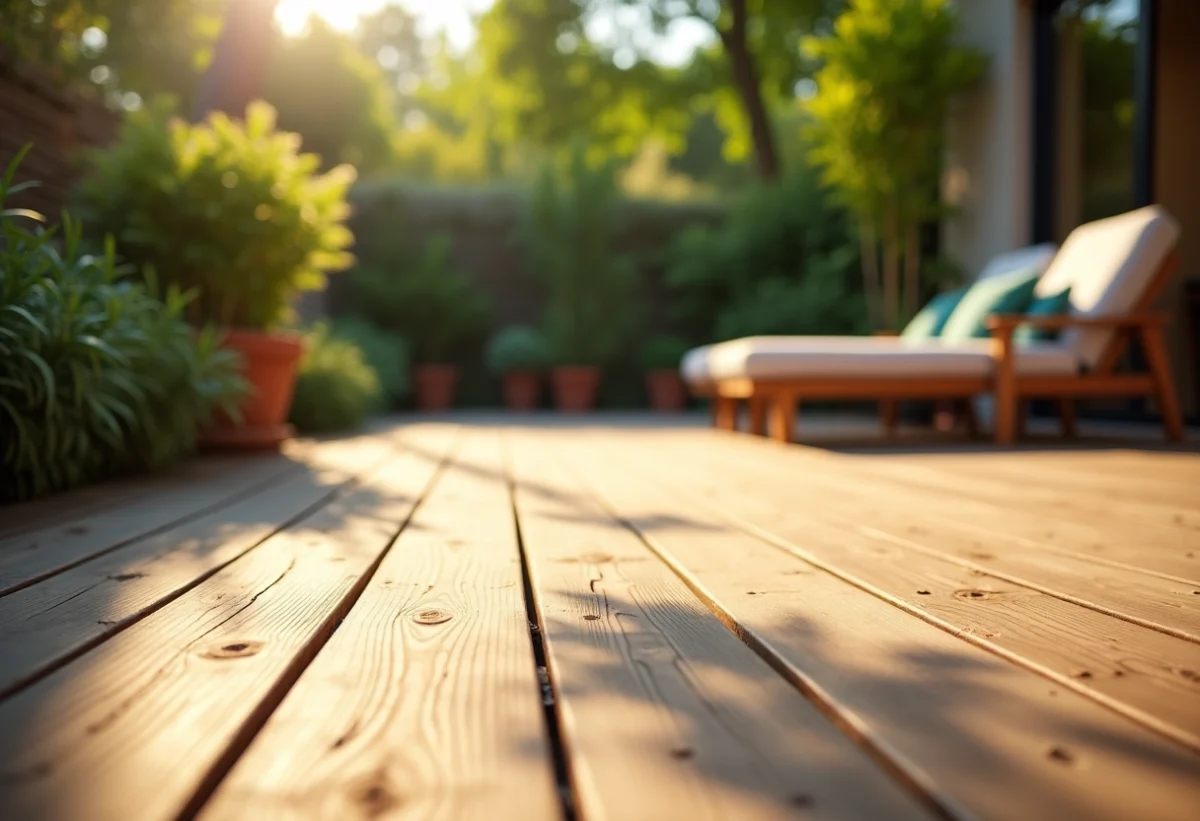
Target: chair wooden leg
889,416
1007,401
970,418
1155,349
725,415
1067,419
758,415
783,418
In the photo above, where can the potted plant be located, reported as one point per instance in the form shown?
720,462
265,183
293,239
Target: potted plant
518,353
231,212
569,230
430,303
660,361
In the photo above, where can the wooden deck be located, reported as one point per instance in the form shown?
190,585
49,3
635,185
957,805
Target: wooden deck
487,619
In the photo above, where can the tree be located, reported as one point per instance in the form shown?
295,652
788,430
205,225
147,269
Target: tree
241,60
890,70
116,46
561,80
338,99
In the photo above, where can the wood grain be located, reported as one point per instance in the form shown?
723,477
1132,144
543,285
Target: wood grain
47,624
30,556
145,723
665,713
1143,673
426,702
974,533
985,734
1082,519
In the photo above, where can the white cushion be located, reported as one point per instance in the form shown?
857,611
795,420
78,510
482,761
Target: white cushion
1023,259
1108,265
694,366
874,357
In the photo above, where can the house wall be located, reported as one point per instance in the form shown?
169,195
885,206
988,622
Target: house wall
1177,174
988,172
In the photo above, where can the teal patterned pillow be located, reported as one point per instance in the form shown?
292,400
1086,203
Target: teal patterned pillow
1003,294
1054,305
928,323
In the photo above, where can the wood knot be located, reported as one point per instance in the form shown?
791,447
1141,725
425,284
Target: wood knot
975,594
591,618
232,650
1061,755
432,617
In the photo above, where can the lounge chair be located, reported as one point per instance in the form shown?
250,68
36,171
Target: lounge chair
1108,272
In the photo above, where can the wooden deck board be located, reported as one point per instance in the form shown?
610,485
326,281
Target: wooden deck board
666,713
44,625
983,735
979,535
32,555
142,726
1144,672
401,718
732,628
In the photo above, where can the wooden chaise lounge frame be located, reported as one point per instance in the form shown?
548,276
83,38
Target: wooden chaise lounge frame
773,402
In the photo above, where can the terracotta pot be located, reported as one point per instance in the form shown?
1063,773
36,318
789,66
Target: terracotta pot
666,391
270,368
435,386
521,389
575,388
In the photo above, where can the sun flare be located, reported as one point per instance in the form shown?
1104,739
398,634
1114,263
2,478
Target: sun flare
341,14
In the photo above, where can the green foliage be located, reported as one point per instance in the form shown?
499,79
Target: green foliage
422,297
231,210
663,353
335,387
518,348
149,45
539,74
821,303
97,376
386,352
889,71
782,262
569,231
335,96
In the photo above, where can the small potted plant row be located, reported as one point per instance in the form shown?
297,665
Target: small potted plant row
664,385
518,354
419,294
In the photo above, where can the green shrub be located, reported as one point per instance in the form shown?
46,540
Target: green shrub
663,353
97,376
335,387
518,348
787,241
385,352
233,211
422,297
569,231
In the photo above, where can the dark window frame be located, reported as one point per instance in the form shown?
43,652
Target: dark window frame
1045,104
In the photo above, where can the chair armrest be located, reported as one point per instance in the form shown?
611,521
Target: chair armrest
1002,324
